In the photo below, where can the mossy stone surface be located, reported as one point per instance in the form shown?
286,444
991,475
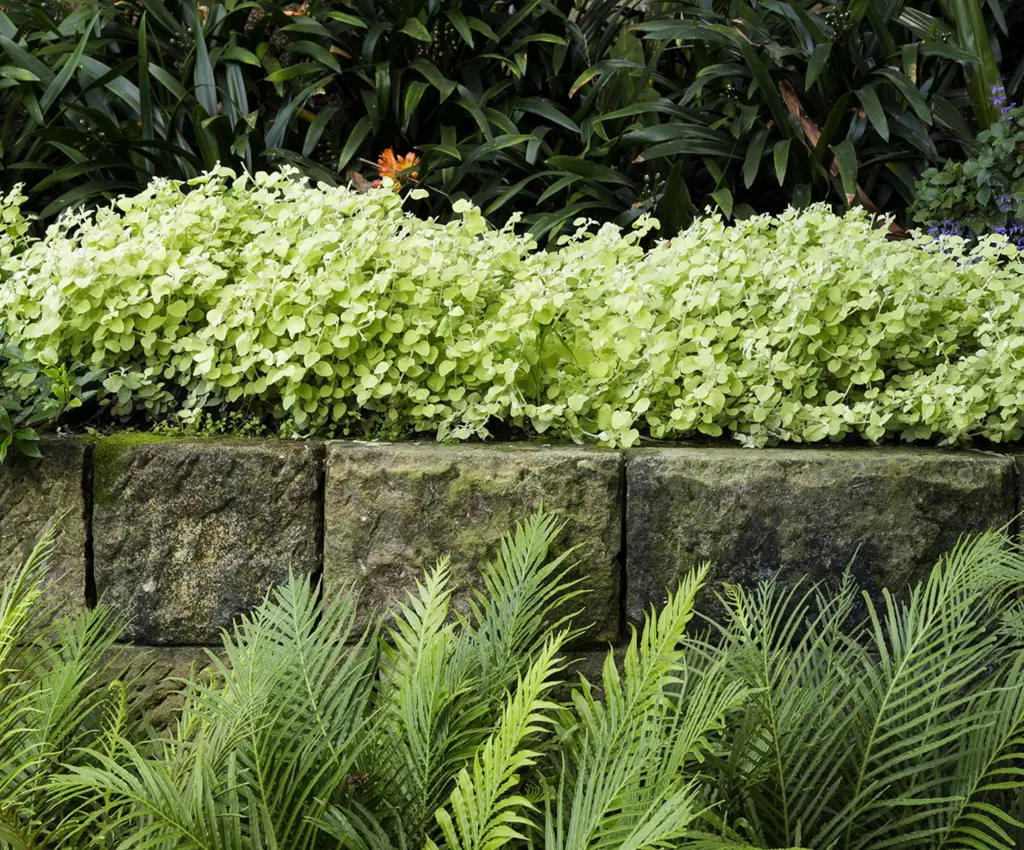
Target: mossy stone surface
188,534
34,494
889,514
153,678
391,510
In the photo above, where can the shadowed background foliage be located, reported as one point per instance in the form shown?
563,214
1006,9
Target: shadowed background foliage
552,108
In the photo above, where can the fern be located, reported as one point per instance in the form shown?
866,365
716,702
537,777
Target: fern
791,723
443,684
990,763
790,649
622,778
484,813
53,702
262,747
876,733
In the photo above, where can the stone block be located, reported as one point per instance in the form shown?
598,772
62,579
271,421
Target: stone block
392,510
34,494
188,534
153,678
787,513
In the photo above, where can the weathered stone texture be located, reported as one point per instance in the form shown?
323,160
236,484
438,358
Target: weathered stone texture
1019,468
153,678
190,533
392,510
590,665
780,513
35,493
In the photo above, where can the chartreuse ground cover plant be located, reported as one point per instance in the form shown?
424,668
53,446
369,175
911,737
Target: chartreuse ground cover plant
319,310
790,722
34,393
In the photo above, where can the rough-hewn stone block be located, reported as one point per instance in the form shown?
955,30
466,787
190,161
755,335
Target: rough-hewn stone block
36,493
190,533
392,510
1019,469
153,676
786,513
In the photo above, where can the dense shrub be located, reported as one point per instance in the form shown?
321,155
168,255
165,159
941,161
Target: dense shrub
984,194
793,723
334,312
34,393
837,101
554,109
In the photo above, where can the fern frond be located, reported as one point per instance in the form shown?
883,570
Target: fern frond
150,804
895,709
623,778
791,648
266,744
300,689
22,602
425,709
443,685
485,812
50,691
357,828
990,763
523,593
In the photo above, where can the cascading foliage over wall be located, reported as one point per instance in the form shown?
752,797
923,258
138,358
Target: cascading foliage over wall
333,312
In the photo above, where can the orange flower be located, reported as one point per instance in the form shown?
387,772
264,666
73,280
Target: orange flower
397,168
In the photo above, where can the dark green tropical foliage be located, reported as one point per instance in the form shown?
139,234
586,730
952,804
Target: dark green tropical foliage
792,722
845,102
553,108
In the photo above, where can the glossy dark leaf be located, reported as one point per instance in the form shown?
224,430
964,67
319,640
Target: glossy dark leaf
91,191
415,29
819,56
846,159
317,52
461,25
545,109
205,85
780,155
589,170
752,160
56,86
906,88
723,197
146,122
359,133
873,108
21,58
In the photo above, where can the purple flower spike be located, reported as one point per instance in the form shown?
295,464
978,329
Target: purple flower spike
999,97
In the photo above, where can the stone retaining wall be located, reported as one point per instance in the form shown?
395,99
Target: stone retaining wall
182,535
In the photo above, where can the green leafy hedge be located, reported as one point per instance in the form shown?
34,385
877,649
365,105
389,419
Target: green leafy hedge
329,311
